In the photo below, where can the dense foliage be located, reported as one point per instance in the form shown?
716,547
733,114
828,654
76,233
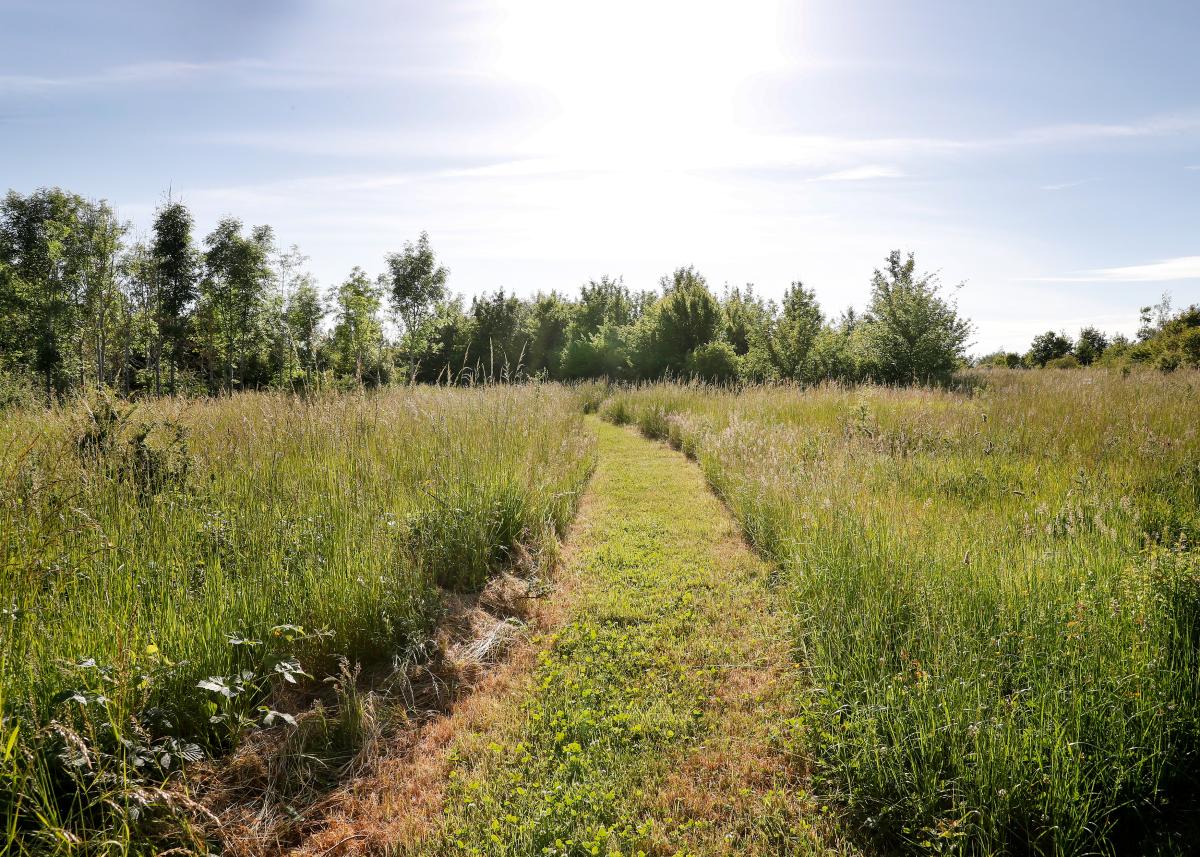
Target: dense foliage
83,307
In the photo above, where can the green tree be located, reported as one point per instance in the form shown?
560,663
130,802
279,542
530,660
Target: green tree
1001,359
176,273
547,321
357,334
604,301
790,340
237,275
1046,347
604,354
289,266
416,283
96,250
499,347
747,317
910,332
1154,318
1173,340
1090,346
444,339
138,330
38,235
304,313
715,362
15,301
684,318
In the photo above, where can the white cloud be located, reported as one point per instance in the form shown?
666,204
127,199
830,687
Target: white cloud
144,73
863,173
566,145
1152,126
255,73
1180,268
1065,185
1167,270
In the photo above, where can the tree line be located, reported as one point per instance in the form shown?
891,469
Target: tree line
82,305
1165,340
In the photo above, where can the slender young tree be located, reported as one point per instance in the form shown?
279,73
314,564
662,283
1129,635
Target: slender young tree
236,278
416,283
358,330
792,336
288,266
175,278
97,248
305,311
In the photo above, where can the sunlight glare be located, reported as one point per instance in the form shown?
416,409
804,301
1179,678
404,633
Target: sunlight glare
635,80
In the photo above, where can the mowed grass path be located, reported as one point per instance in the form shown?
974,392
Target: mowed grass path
660,717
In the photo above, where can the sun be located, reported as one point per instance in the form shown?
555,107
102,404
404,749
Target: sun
633,79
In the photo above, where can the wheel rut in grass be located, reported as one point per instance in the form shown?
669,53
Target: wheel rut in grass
658,716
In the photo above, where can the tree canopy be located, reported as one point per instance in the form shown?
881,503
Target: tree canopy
83,305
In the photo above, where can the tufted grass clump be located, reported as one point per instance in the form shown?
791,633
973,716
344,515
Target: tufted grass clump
996,593
174,572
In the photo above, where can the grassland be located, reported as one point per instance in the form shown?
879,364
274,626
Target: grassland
995,591
973,625
658,718
172,572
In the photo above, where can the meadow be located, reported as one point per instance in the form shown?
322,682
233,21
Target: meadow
995,592
177,573
976,629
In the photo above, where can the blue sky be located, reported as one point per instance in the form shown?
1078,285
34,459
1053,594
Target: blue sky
1046,154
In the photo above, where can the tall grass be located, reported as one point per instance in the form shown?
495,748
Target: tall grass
997,594
168,572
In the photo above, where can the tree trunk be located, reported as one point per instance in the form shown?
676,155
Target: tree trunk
125,352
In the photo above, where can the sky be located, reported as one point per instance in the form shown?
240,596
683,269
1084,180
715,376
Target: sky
1044,155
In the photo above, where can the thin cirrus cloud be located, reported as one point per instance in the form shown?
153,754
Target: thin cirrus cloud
867,172
843,156
145,73
254,73
1164,271
1065,185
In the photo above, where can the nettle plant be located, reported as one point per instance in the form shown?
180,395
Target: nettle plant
236,701
104,720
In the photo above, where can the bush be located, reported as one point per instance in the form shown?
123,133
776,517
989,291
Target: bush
715,362
1067,361
1048,346
591,395
16,391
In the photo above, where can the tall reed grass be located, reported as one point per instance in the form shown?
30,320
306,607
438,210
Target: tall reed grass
169,572
997,593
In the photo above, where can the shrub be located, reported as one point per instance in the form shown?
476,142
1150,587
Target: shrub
1067,361
715,362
